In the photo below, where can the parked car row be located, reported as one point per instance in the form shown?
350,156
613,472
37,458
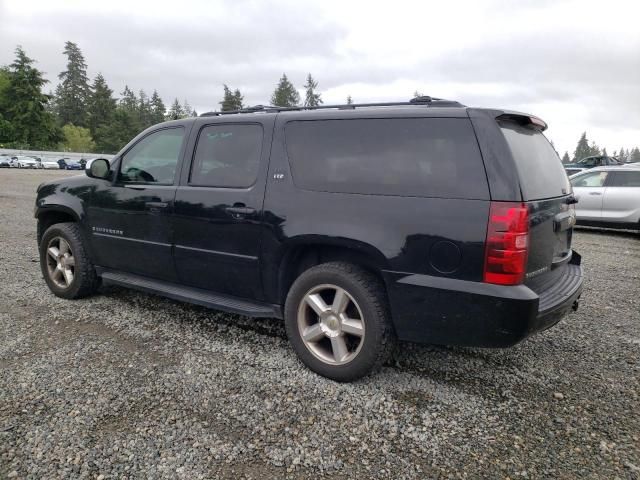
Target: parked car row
24,161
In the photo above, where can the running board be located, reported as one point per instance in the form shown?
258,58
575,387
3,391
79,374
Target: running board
194,295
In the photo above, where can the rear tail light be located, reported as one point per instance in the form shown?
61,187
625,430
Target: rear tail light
507,243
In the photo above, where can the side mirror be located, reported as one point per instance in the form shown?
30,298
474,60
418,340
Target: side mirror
97,168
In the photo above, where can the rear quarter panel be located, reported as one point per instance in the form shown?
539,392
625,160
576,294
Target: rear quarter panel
621,205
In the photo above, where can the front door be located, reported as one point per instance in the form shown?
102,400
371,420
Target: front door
588,189
218,207
129,218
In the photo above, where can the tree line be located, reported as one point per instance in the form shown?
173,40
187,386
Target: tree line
584,149
83,115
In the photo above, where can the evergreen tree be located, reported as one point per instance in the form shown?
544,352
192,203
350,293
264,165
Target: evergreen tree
312,99
349,100
144,110
175,112
239,99
582,149
604,152
285,94
32,126
5,125
129,101
634,156
112,137
101,105
565,158
417,94
158,110
231,100
73,92
594,149
127,122
186,109
622,156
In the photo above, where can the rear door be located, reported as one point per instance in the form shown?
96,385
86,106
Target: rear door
218,210
621,199
546,190
589,189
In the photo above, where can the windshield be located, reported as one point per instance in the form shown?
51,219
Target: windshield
539,168
588,162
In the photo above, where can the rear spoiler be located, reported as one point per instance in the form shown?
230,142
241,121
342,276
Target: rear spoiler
524,120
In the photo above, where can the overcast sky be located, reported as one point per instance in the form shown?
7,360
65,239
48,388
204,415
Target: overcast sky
576,64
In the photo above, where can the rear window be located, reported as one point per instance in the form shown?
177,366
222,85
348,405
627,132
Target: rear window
428,157
539,168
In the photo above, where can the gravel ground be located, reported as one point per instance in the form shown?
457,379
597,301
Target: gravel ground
128,385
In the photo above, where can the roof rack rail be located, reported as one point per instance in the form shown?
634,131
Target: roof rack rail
423,100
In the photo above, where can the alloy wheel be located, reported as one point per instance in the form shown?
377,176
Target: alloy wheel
61,264
331,324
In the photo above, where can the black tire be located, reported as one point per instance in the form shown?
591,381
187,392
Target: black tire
369,294
85,281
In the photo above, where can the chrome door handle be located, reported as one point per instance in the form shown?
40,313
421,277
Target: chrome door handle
156,204
595,193
241,210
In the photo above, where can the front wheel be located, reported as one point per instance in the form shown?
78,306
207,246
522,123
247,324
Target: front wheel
65,265
337,320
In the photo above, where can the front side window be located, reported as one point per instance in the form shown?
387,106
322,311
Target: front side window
154,158
227,156
624,179
427,157
592,179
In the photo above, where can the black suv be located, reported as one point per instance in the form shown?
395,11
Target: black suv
424,221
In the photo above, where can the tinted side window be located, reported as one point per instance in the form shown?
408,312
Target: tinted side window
624,179
227,156
428,157
154,158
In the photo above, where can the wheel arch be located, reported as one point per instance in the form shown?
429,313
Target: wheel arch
303,253
51,215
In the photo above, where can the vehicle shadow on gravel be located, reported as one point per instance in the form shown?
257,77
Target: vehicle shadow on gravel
472,370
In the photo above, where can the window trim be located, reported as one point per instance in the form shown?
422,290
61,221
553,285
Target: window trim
120,159
189,183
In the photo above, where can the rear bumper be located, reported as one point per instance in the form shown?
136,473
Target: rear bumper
446,311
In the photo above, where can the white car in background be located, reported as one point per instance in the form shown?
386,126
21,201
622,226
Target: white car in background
25,162
50,164
608,197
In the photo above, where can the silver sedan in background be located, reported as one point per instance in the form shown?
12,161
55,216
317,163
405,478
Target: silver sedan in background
608,197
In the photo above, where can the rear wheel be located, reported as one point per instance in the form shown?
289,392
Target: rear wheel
64,262
337,320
